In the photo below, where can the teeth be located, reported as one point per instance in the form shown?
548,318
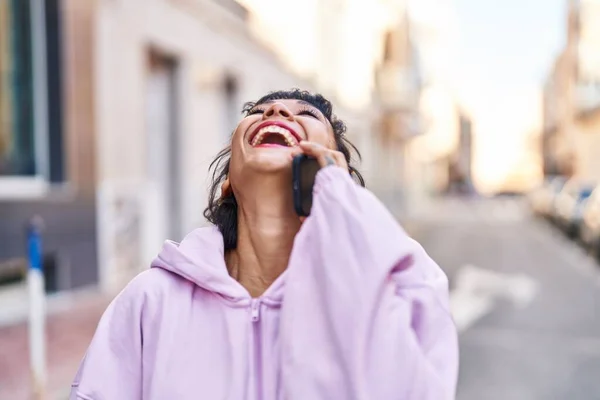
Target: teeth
289,138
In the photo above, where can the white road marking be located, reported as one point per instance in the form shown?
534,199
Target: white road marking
477,290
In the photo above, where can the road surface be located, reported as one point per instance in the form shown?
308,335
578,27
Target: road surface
528,299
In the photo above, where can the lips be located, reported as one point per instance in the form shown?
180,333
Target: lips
274,134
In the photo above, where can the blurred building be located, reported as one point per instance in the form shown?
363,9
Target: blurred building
112,110
429,156
171,78
398,92
571,134
554,110
460,161
172,75
426,155
47,153
587,95
371,73
450,168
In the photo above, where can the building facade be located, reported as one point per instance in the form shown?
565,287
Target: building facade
460,161
398,95
572,97
136,97
47,140
171,77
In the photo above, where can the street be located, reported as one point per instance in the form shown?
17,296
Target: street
525,300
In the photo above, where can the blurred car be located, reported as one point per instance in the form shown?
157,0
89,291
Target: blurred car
569,205
542,198
590,227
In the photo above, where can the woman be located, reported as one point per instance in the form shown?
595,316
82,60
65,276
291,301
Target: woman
342,305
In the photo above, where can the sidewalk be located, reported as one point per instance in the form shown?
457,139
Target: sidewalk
68,335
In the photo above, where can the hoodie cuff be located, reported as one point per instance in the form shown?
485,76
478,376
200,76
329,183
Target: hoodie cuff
330,175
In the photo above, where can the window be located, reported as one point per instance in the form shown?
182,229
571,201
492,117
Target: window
23,153
17,151
388,49
232,111
55,98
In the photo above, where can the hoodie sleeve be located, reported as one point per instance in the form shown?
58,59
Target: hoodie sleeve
366,311
112,366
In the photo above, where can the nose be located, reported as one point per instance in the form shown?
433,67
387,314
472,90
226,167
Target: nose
278,110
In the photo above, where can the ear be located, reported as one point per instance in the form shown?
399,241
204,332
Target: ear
225,188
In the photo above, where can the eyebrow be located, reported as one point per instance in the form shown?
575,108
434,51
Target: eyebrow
305,103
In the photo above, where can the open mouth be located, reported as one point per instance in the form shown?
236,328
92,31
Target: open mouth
274,136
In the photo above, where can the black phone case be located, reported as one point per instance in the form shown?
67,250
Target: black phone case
296,183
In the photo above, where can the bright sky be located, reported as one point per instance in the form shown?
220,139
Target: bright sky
292,28
506,45
505,51
494,55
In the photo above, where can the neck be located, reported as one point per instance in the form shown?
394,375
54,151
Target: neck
267,225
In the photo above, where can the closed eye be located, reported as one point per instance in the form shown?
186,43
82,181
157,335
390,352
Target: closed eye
310,113
256,111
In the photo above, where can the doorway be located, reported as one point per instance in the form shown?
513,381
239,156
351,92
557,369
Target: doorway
163,149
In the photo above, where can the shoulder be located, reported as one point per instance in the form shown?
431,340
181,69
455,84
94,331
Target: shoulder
153,278
149,285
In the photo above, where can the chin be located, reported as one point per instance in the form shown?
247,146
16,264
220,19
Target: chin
269,161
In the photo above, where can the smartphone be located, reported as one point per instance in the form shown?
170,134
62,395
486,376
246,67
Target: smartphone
304,171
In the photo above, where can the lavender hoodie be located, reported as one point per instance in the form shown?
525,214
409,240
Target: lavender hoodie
360,313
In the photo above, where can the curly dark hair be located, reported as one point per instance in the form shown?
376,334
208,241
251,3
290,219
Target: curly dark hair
223,212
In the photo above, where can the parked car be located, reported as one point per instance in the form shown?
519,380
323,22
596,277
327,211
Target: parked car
590,227
569,205
542,198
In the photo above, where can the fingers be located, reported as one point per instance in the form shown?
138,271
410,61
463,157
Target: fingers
325,157
297,151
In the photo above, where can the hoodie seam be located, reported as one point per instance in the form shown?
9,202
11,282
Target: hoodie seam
239,303
416,286
83,396
268,301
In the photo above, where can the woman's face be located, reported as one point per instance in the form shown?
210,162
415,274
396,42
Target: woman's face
263,141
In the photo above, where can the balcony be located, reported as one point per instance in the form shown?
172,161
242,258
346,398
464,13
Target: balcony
229,9
398,87
400,125
234,8
587,97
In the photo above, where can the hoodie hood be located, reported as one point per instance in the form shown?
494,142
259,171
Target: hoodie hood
200,258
